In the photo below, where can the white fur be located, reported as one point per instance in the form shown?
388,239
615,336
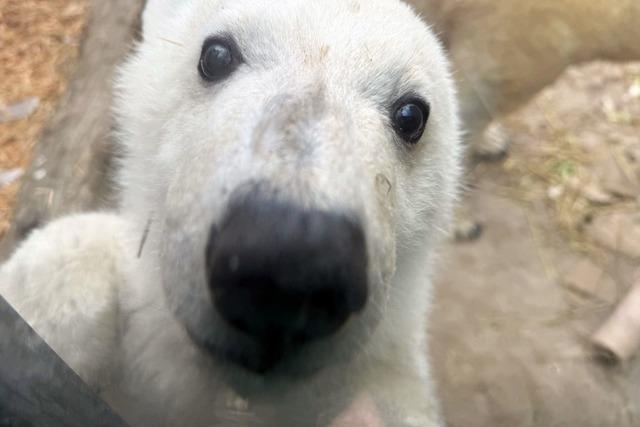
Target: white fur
306,113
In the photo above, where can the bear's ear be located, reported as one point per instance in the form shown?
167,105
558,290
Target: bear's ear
157,12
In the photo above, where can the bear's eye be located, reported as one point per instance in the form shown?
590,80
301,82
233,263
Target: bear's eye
218,59
410,116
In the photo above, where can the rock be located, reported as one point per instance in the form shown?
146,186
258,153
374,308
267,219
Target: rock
494,145
588,279
615,181
40,174
618,231
19,110
555,192
467,230
595,194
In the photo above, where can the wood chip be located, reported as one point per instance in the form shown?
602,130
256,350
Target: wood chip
40,41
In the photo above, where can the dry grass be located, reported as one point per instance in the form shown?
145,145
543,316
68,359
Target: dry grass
556,171
39,41
554,163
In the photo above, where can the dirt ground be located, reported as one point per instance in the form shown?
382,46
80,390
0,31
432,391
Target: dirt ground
514,309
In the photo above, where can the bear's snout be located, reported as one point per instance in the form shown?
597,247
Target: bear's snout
286,275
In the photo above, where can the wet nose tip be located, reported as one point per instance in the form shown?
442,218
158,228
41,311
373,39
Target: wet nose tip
281,273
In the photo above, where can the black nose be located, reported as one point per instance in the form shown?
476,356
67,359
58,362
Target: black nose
285,275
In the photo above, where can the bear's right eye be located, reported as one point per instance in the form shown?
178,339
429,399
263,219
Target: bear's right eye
219,58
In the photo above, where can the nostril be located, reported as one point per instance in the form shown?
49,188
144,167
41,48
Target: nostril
280,273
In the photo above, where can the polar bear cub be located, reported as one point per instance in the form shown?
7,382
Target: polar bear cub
288,172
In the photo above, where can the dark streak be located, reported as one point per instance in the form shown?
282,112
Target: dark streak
144,236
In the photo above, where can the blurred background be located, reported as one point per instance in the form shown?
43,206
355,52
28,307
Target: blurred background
517,305
39,42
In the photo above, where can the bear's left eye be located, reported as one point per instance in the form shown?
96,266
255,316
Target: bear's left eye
218,59
409,117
